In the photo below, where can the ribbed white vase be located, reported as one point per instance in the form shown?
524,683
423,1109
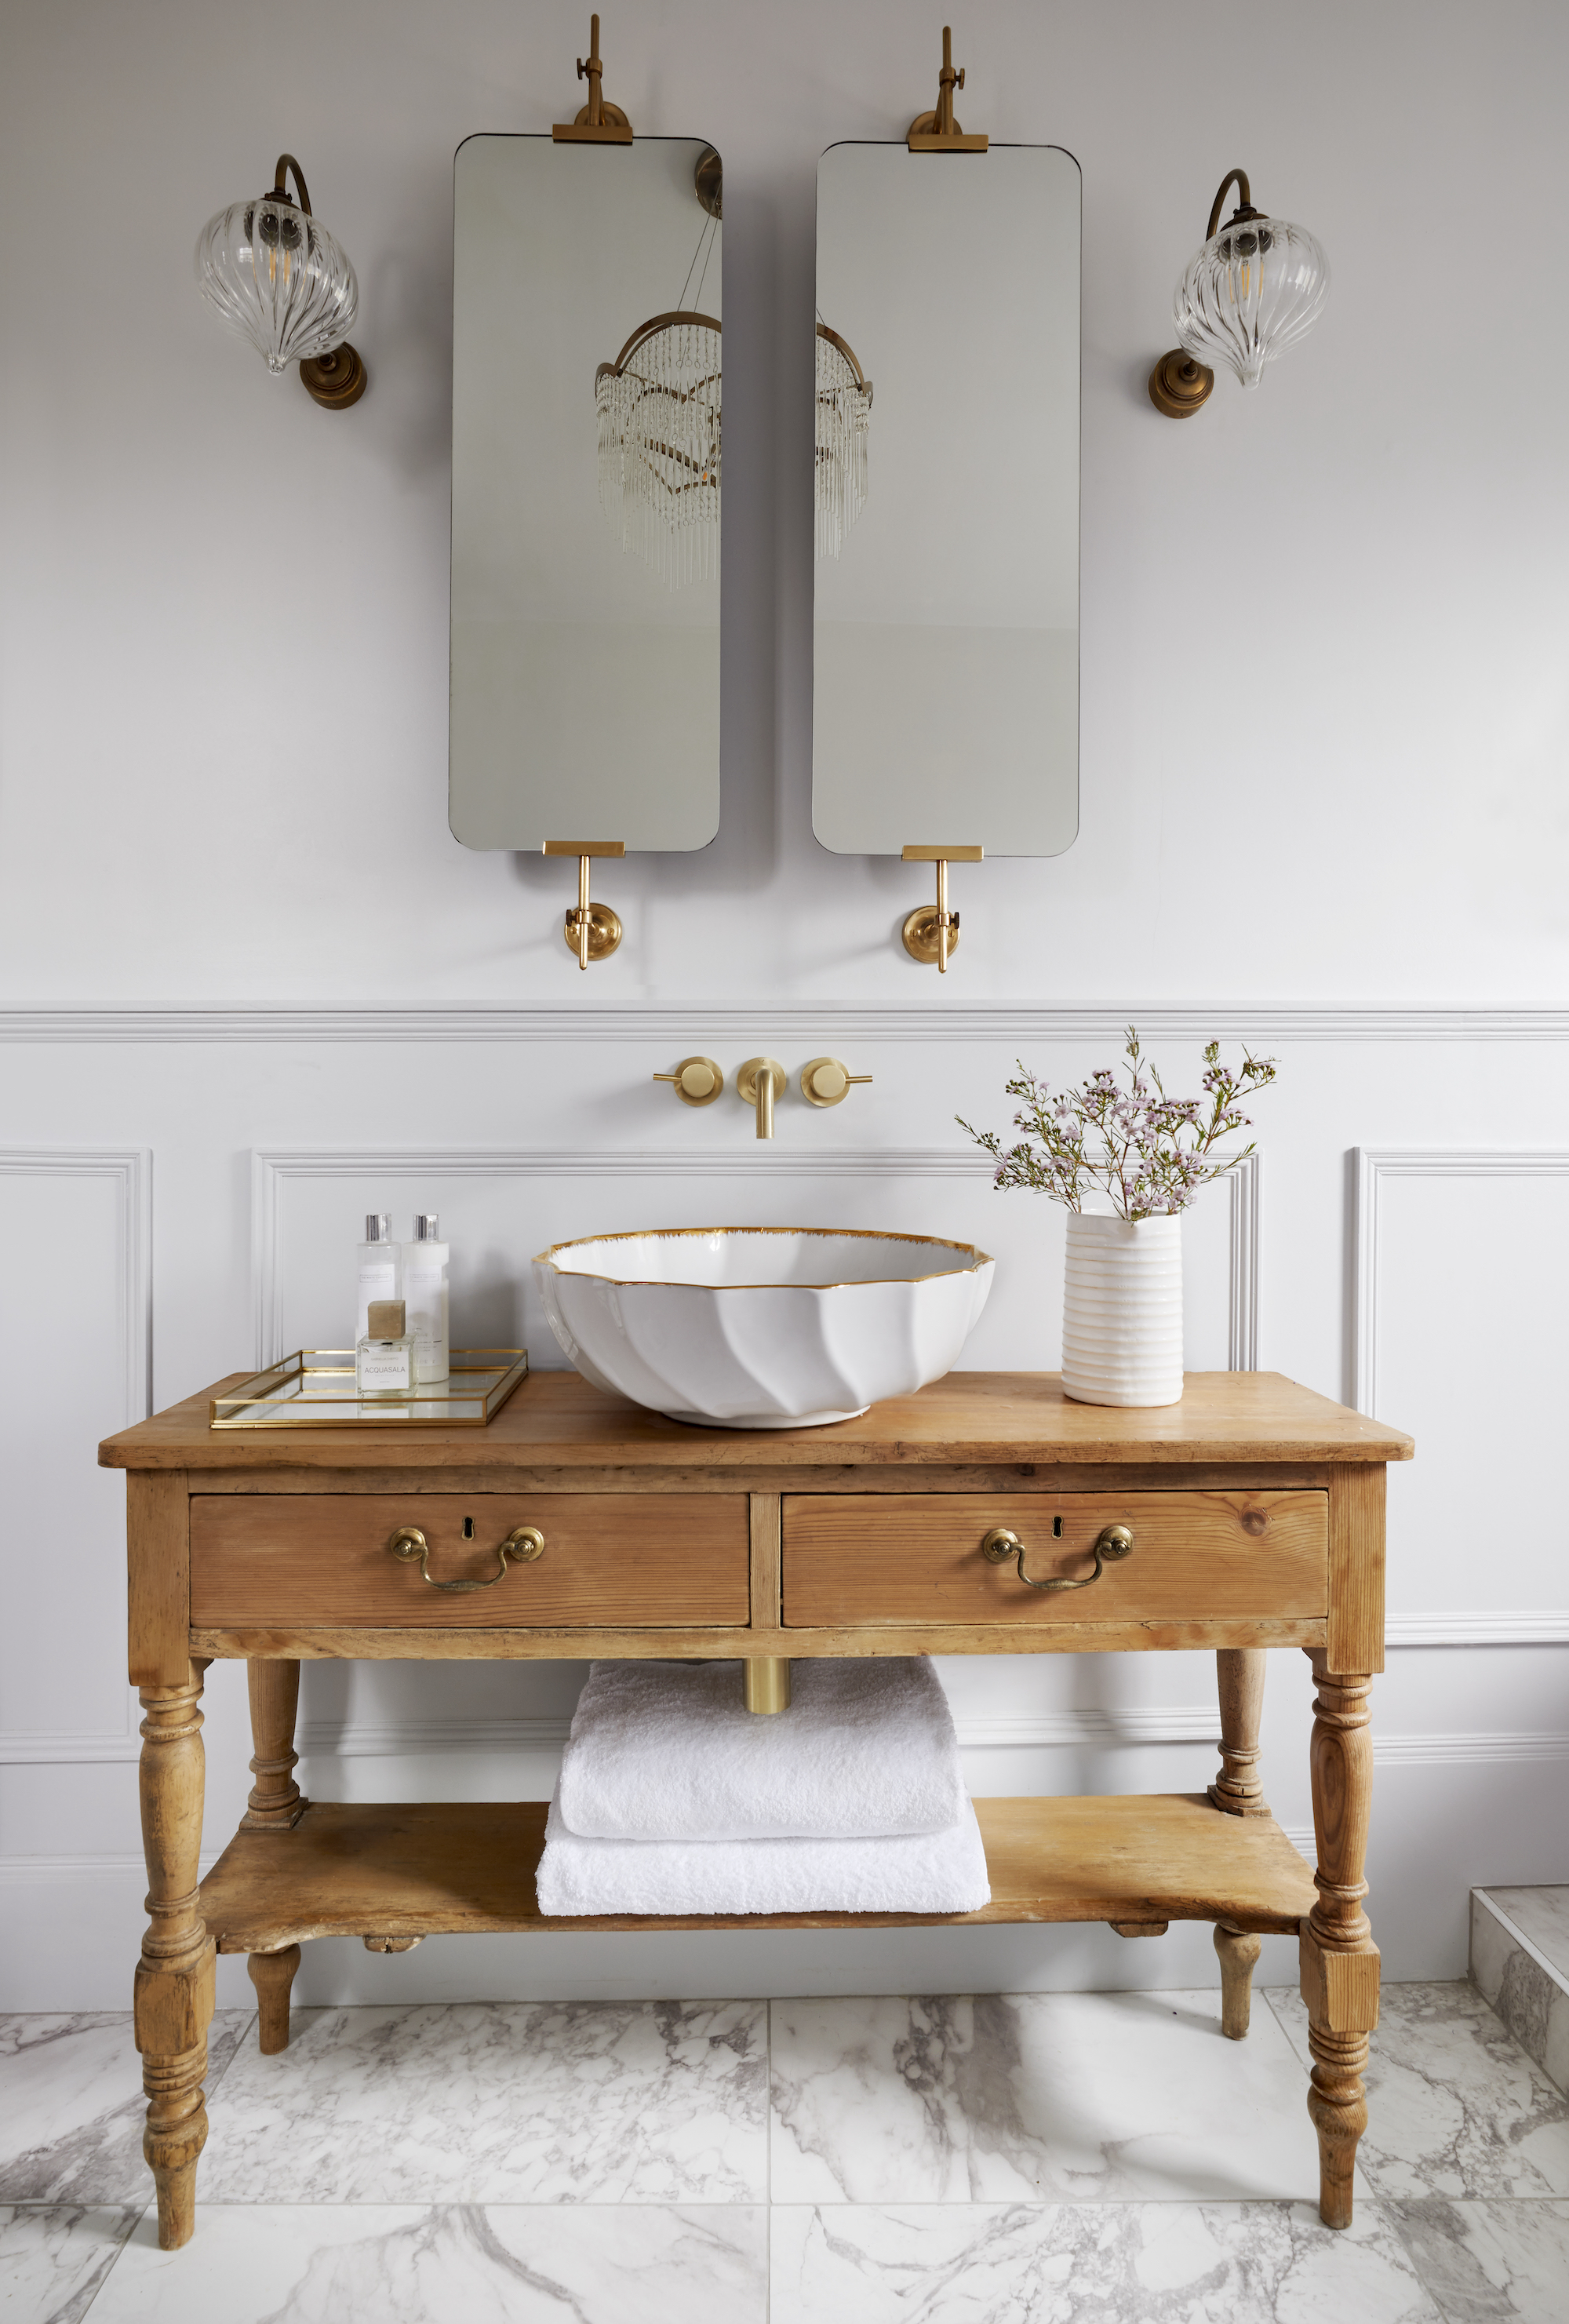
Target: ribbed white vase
1121,1310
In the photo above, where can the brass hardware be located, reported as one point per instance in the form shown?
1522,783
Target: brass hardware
697,1081
391,1944
334,381
524,1542
708,179
592,931
1179,383
851,357
599,122
759,1081
1111,1541
932,935
768,1683
937,132
826,1082
1139,1928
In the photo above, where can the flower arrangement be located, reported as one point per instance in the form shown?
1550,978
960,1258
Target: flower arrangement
1150,1153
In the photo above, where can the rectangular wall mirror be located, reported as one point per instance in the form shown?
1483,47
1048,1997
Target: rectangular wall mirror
586,420
947,500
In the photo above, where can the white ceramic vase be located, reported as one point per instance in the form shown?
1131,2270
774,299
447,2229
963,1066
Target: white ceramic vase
1121,1310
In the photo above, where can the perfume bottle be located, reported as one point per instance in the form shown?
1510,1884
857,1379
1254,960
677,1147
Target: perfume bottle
424,1263
378,1270
384,1359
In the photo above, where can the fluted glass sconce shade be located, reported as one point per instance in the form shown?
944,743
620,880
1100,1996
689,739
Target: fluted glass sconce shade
278,278
843,417
1253,291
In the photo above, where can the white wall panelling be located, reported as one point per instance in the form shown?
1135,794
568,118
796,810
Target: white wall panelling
1369,889
74,1363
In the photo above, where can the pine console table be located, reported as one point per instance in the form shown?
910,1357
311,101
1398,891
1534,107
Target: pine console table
1255,1510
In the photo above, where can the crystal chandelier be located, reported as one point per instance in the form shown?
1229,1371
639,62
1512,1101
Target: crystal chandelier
1253,291
659,405
277,277
843,416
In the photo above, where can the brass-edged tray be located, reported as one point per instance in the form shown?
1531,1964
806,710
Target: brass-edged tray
315,1388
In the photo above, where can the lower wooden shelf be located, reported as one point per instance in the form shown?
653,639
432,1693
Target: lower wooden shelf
433,1869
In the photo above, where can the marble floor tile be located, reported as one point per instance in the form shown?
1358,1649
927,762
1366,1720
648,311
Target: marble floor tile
54,2258
1094,2263
1498,2262
550,2102
374,2263
1455,2106
72,2105
1543,1915
1034,2098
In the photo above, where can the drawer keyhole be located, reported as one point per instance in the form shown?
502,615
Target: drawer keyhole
468,1528
1056,1528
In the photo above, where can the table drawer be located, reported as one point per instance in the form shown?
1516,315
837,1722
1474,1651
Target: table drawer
610,1560
864,1559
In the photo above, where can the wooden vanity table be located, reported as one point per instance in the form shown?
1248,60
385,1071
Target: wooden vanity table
1256,1512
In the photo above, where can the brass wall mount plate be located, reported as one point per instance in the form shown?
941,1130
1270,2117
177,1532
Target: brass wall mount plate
920,935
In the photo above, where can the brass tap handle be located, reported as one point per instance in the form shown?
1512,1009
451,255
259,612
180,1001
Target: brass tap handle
697,1081
759,1081
1112,1541
826,1082
524,1542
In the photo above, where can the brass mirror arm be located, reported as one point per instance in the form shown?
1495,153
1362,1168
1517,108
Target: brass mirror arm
1238,178
287,162
524,1542
1111,1541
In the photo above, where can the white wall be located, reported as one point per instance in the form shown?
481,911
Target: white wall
1323,809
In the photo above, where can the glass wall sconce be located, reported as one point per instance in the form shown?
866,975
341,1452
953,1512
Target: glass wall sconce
277,277
1252,291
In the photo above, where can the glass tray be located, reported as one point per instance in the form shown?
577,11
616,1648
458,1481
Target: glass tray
315,1388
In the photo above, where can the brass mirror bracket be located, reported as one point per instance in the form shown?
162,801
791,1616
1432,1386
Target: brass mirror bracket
334,381
826,1082
937,132
1179,383
697,1081
592,931
760,1082
933,935
598,124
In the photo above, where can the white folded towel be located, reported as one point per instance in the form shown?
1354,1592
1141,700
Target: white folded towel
669,1751
920,1872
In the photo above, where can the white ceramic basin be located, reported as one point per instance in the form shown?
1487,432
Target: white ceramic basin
763,1327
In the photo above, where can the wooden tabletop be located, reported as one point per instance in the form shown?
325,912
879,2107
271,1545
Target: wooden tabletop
555,1420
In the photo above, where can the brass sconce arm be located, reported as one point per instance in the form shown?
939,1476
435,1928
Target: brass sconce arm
599,122
932,935
592,931
760,1082
286,162
937,132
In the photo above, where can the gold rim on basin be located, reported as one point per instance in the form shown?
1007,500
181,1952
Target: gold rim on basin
978,1259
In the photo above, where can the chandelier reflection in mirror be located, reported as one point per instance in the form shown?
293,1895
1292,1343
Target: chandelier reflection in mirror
278,278
660,406
1253,291
843,417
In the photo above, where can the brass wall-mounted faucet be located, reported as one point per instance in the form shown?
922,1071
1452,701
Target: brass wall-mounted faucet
759,1081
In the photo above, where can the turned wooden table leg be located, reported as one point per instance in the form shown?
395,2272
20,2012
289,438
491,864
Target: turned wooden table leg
273,1975
174,1978
1239,1673
1239,1954
276,1802
1340,1961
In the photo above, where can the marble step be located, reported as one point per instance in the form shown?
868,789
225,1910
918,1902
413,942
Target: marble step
1519,1960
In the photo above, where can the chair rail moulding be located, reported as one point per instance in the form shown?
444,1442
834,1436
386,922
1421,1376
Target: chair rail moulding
676,1020
272,1168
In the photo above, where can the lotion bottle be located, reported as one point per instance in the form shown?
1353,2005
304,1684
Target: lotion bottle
425,1294
378,1268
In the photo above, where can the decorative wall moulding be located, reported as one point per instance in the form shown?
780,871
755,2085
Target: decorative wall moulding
678,1021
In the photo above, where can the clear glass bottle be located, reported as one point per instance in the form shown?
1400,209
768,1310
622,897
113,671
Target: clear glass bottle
425,1295
379,1270
384,1359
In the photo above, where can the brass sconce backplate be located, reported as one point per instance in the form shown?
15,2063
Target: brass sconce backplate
336,380
1179,384
920,936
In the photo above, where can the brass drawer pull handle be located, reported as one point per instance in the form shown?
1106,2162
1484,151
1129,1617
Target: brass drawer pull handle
525,1543
1111,1541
